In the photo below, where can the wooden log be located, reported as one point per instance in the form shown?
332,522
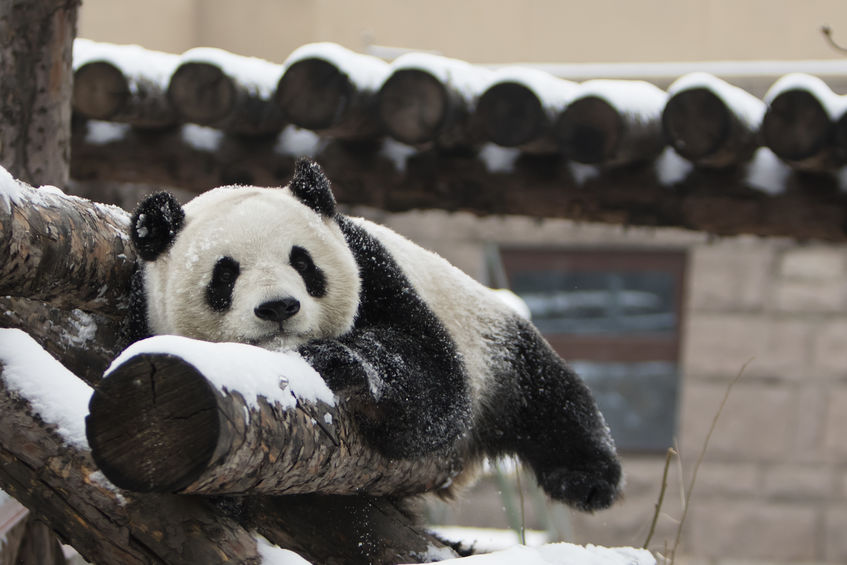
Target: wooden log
123,83
218,89
41,466
612,123
710,122
158,424
63,250
330,89
798,125
102,91
427,101
518,109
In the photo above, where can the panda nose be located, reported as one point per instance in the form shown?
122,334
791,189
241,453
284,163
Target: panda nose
277,310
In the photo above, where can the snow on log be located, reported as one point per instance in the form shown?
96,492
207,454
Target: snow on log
123,83
212,87
798,125
45,464
63,250
180,415
519,106
330,89
428,100
612,123
711,122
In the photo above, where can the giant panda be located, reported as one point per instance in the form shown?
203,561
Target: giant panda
436,360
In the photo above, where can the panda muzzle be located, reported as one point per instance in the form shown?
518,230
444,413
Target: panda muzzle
277,310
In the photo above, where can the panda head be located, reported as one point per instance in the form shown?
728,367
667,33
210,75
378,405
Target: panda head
265,266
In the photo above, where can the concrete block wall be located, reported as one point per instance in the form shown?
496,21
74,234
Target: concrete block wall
773,485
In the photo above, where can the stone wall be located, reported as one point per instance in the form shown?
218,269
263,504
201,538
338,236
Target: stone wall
773,484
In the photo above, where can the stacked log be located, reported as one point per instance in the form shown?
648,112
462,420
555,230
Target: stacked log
710,122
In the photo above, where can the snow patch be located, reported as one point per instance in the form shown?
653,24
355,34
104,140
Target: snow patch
767,172
11,190
749,109
201,138
396,152
55,394
297,141
513,301
365,71
560,554
671,167
259,76
637,98
583,172
278,376
832,103
98,478
499,159
132,60
98,132
275,555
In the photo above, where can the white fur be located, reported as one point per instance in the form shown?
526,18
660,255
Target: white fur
257,227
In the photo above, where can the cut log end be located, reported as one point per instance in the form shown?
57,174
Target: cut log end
153,424
511,115
413,106
314,94
796,127
696,123
589,130
201,93
100,90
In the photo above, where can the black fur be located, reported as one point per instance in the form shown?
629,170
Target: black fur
311,186
155,223
546,414
400,350
219,289
313,276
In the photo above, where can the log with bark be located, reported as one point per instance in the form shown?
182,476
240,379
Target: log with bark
702,127
218,89
199,435
612,123
329,89
53,473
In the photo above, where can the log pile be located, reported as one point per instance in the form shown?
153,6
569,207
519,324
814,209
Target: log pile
425,131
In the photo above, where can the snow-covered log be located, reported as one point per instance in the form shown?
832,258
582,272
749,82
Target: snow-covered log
428,100
612,123
45,464
711,122
123,83
799,123
212,87
63,250
519,106
180,415
330,89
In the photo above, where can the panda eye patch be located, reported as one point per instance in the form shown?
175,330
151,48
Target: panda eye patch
301,260
219,291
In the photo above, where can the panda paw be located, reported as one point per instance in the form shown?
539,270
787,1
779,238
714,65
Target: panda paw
586,490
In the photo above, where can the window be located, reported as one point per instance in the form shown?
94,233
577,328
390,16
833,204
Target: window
615,316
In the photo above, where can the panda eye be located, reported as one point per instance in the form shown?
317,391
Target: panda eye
314,278
219,291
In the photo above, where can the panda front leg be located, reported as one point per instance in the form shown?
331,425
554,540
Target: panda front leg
545,413
410,396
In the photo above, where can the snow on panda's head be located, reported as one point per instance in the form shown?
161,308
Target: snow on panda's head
265,266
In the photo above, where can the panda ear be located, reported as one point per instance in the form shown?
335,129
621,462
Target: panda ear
311,186
155,224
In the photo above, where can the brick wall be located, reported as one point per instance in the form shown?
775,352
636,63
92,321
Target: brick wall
773,485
